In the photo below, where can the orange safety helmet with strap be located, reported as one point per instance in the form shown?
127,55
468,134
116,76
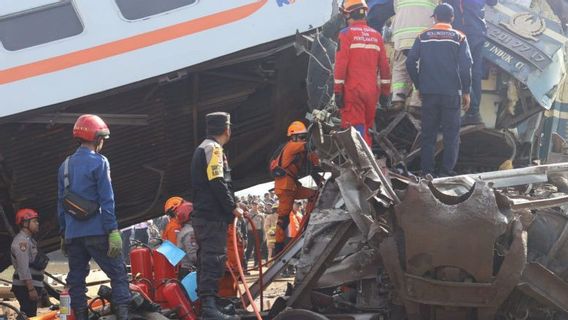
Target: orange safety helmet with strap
172,204
349,6
297,127
90,127
25,215
183,212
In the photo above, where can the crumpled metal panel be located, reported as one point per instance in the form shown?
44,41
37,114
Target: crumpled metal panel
487,297
358,266
431,228
516,44
324,221
544,232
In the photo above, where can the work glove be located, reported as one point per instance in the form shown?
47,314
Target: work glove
114,244
339,100
63,247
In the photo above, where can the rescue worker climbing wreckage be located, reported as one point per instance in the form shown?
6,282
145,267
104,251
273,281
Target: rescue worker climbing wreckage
360,63
29,263
285,169
444,75
87,220
214,210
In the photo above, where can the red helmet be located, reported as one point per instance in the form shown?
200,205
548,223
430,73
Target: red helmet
25,214
90,127
183,212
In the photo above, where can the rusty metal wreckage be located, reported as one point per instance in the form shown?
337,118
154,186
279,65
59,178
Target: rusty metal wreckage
383,246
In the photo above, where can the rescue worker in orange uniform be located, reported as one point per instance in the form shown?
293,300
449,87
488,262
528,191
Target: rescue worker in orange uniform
174,226
292,160
360,61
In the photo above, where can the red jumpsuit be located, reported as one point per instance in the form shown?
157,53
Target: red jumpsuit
361,58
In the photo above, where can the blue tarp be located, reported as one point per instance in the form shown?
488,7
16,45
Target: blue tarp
190,285
171,252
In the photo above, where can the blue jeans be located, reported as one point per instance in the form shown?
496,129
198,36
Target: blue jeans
440,110
80,251
476,47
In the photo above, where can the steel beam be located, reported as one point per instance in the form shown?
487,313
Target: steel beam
275,269
543,285
70,118
507,178
301,295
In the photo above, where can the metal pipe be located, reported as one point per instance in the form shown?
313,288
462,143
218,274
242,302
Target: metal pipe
507,178
538,204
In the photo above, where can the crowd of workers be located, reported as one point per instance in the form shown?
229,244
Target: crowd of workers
437,66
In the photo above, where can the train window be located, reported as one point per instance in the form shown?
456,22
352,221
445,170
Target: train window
138,9
40,25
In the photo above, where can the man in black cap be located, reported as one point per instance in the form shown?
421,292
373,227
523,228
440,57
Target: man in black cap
214,209
439,65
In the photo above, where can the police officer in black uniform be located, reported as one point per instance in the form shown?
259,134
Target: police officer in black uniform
214,209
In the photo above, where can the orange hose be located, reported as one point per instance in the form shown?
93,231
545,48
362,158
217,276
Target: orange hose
242,273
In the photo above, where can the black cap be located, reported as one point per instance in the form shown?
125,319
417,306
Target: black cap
444,12
217,122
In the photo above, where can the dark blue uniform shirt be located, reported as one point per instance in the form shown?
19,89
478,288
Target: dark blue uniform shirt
470,15
89,177
440,61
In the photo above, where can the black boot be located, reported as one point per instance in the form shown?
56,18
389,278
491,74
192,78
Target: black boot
209,310
81,314
121,312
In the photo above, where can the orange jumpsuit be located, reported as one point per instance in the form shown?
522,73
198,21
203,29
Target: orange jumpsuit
227,285
294,226
287,188
172,229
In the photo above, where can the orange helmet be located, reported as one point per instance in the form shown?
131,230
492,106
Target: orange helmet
296,127
25,214
183,212
90,127
352,5
172,203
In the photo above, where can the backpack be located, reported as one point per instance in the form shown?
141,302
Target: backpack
275,164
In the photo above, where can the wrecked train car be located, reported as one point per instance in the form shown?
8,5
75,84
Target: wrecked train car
382,246
523,83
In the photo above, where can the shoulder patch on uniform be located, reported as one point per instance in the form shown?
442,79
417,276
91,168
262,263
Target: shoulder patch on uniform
215,165
23,246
